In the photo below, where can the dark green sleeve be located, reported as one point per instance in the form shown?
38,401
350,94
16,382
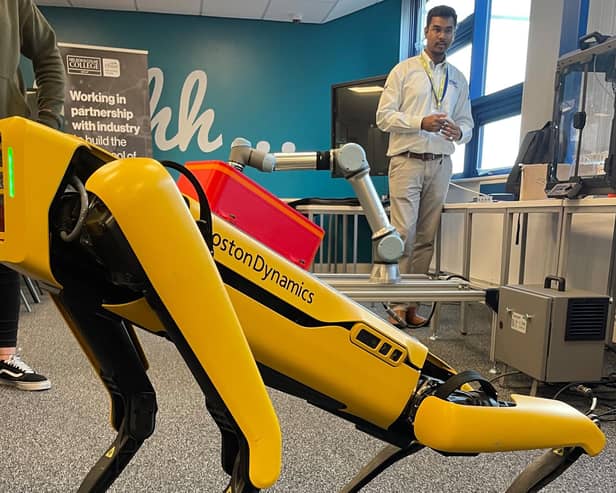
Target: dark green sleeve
38,43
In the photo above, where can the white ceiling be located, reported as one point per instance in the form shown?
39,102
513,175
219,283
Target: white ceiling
310,11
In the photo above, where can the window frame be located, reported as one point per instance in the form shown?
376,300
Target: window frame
488,109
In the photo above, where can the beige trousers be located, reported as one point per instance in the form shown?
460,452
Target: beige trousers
417,190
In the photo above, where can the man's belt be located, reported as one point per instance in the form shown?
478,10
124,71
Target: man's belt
425,156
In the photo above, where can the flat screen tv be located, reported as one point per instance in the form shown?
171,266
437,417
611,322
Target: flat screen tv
354,106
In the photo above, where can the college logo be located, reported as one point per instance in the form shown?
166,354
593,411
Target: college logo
83,65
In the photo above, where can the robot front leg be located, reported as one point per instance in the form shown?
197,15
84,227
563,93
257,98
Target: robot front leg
188,296
453,418
118,360
235,448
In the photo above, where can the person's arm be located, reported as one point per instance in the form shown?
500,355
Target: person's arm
463,117
38,43
389,118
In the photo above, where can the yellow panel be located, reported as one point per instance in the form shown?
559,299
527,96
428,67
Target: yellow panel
280,277
37,172
175,258
326,360
139,313
534,423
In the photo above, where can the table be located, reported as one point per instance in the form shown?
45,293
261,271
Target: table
563,209
320,213
411,286
507,209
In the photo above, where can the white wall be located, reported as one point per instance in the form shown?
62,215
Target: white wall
543,47
602,17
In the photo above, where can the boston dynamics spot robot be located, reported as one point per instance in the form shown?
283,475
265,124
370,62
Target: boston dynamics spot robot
78,220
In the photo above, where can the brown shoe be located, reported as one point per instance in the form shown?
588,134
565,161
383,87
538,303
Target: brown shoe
413,318
402,315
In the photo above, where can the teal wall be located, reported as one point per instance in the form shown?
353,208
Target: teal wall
266,81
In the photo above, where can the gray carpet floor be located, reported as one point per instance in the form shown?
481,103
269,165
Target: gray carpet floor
51,439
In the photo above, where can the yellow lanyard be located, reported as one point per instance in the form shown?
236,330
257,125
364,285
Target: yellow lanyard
442,89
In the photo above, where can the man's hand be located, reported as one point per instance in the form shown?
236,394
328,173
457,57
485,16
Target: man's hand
451,131
433,122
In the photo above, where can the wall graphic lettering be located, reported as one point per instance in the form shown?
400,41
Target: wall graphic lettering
191,119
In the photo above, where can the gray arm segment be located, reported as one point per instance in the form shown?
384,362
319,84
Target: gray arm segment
350,160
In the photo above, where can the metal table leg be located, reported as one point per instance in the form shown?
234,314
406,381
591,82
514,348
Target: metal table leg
32,289
434,323
355,219
466,263
24,301
504,277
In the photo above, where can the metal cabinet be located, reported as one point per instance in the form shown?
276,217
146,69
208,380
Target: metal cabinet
552,335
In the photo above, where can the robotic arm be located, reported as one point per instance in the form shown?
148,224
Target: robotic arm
350,160
241,318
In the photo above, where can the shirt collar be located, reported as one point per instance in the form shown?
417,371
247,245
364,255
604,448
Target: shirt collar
431,64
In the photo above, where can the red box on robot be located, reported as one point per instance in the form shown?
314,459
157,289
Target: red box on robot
251,208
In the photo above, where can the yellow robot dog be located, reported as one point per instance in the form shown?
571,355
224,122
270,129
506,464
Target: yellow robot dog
73,217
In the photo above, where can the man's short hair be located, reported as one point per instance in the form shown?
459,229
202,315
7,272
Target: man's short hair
442,11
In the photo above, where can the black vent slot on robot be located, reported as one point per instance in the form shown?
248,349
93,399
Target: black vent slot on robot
586,319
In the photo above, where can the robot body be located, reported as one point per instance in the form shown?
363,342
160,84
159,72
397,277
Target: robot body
119,247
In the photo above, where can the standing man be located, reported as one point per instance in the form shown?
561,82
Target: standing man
425,108
24,31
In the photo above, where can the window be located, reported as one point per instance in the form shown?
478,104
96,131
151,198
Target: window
508,44
501,140
457,160
461,59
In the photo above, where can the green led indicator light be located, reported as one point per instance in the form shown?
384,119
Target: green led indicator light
10,172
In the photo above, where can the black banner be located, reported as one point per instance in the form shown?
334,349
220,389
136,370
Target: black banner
107,98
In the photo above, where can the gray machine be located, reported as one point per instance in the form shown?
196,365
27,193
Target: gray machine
552,334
